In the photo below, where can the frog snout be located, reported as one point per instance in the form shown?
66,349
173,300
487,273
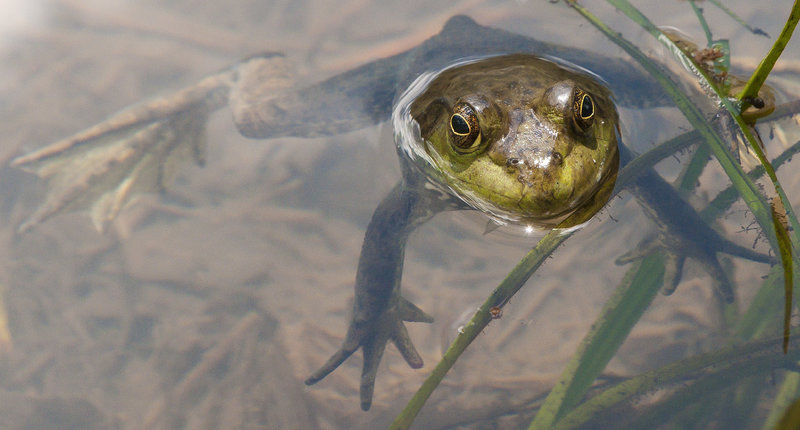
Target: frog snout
527,149
533,168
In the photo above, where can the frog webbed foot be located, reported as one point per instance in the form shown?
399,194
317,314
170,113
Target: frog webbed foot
137,150
677,248
372,336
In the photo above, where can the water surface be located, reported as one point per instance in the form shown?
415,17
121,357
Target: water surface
207,307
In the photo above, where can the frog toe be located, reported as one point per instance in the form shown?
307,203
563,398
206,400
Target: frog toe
677,250
673,268
646,247
374,348
720,280
103,167
333,362
372,338
402,341
373,353
412,313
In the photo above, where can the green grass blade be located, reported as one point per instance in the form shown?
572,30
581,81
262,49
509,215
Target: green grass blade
753,357
744,185
786,259
736,17
620,314
791,418
788,392
510,285
703,23
758,78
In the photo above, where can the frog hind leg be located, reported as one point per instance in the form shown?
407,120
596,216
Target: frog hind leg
138,149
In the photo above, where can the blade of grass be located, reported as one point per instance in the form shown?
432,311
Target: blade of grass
759,356
746,187
703,23
788,392
622,311
510,285
732,169
562,398
755,82
739,20
786,259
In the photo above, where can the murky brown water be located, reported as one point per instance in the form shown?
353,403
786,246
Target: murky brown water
207,307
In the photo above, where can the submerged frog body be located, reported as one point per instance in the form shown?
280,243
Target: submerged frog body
519,137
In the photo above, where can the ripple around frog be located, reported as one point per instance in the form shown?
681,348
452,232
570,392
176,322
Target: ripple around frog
411,145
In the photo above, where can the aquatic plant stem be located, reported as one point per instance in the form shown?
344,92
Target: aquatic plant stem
631,298
755,357
787,393
781,213
749,192
558,402
703,23
758,78
738,19
510,285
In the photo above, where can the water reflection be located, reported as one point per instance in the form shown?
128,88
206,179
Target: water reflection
244,268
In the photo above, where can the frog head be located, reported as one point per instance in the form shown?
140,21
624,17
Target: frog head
524,139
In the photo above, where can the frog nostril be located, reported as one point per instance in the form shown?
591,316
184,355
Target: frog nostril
513,162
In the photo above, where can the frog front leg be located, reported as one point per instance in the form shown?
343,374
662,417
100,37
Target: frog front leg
379,310
682,234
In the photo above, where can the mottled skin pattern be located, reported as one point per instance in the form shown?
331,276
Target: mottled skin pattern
530,165
536,159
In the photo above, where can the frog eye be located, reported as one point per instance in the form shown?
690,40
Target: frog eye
465,132
583,109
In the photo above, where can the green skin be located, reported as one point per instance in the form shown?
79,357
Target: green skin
534,160
543,152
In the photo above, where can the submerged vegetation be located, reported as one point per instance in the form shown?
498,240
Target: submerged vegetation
692,389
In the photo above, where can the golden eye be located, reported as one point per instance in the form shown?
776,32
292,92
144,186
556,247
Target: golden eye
583,109
465,133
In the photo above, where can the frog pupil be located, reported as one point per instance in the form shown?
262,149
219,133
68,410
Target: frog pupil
459,125
587,107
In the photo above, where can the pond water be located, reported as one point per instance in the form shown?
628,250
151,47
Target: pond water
207,306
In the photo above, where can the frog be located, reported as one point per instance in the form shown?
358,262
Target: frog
524,131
